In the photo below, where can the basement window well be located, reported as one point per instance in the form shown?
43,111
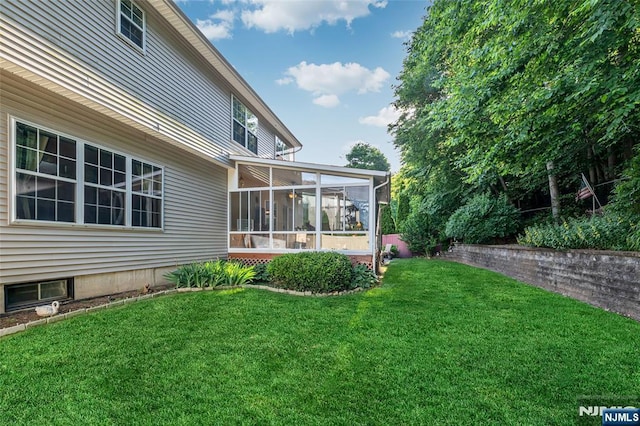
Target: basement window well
20,296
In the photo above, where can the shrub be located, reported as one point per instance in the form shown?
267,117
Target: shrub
363,277
311,271
608,232
238,274
417,231
483,219
211,274
262,274
394,251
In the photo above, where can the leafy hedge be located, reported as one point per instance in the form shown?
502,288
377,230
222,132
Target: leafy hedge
608,232
211,274
484,218
417,229
314,271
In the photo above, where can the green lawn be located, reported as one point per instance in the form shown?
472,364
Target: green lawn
438,343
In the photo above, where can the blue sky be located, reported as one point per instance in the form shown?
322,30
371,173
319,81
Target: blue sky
325,67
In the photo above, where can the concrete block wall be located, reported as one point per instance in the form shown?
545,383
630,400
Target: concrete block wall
607,279
86,286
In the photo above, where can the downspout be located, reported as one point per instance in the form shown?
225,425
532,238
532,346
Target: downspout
378,243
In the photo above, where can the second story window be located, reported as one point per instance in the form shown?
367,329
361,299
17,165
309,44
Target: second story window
281,150
131,22
244,126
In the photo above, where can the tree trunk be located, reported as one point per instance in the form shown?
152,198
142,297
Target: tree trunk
554,192
503,183
592,165
611,164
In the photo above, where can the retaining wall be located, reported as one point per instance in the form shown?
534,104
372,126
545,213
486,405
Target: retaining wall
607,279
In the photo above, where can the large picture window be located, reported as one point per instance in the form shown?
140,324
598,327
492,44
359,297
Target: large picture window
58,177
244,126
131,24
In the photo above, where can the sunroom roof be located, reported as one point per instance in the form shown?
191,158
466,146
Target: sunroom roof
336,170
381,180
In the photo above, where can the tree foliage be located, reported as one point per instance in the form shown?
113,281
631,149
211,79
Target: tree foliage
387,223
364,156
495,90
483,219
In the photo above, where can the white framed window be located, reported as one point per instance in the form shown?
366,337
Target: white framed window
105,191
280,150
244,126
45,173
146,195
131,23
63,179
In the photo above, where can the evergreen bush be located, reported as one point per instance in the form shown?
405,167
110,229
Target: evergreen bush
387,224
314,271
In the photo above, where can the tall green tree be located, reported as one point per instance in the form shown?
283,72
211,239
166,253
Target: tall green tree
365,156
521,96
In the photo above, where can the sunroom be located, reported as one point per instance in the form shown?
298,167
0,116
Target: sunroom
280,207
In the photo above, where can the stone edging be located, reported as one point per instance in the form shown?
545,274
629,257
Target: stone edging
272,289
22,327
304,293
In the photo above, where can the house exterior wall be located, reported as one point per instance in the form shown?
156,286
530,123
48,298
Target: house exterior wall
195,205
78,45
65,68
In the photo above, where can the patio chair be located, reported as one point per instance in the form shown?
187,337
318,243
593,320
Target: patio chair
385,254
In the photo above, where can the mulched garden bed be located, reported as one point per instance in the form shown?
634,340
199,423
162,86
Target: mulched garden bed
28,315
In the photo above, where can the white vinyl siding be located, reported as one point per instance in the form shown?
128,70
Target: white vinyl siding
195,200
168,78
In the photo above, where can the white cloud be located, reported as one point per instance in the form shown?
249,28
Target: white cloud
284,81
385,116
406,35
218,26
336,78
275,15
327,101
